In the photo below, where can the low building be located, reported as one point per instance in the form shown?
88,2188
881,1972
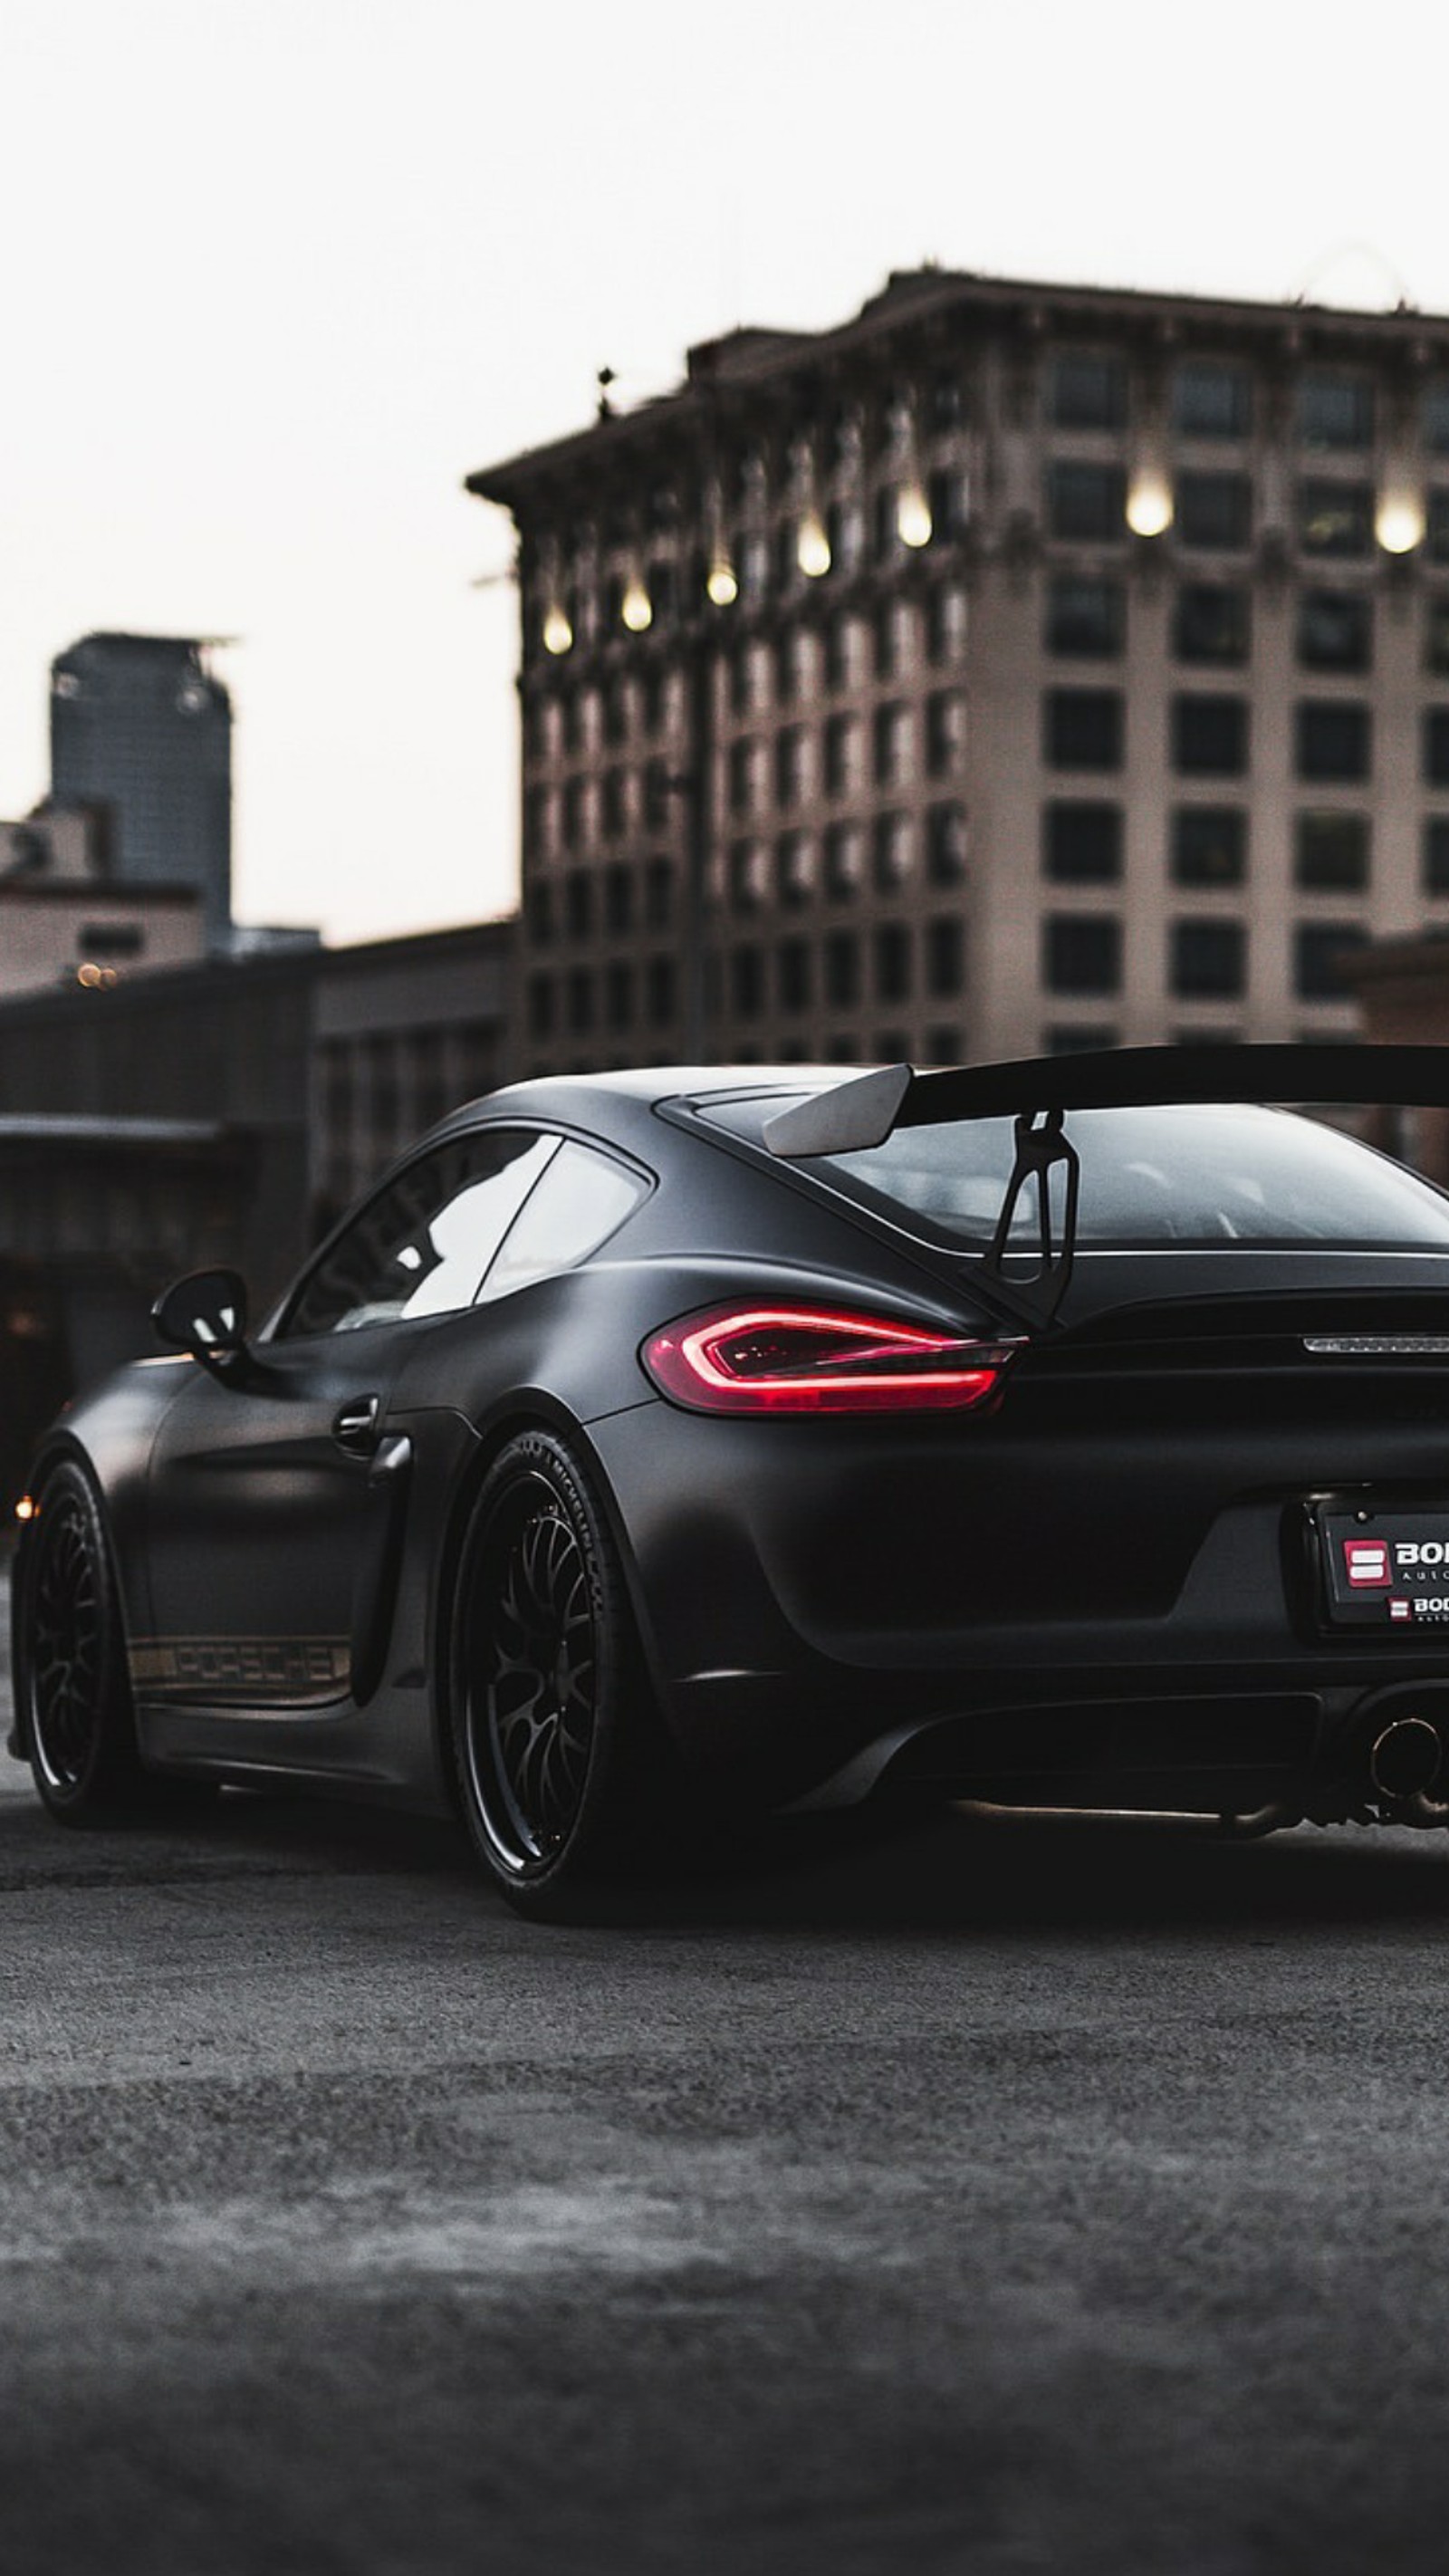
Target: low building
65,920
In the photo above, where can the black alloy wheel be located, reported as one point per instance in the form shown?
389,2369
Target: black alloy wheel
77,1699
546,1686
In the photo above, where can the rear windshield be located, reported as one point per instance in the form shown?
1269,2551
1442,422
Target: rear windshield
1186,1175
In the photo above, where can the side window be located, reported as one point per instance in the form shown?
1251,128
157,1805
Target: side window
581,1200
421,1246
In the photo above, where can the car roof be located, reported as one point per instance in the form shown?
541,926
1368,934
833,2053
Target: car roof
610,1103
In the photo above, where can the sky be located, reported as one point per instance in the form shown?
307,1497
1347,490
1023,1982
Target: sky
276,274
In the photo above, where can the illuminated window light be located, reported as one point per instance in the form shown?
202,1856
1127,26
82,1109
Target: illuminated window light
1399,524
1149,506
722,585
812,551
913,516
558,634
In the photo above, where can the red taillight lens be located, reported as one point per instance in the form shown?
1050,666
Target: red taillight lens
813,1359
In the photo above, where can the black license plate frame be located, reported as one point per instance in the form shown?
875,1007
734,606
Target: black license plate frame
1384,1566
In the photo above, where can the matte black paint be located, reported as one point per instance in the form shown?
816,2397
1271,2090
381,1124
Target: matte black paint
1106,1586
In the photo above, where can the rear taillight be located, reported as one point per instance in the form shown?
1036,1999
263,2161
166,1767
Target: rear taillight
816,1359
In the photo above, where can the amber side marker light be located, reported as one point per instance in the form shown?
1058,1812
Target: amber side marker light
815,1359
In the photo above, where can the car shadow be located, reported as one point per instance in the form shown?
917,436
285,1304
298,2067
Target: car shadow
951,1871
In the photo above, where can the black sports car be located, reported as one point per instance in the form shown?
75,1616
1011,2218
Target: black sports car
1070,1433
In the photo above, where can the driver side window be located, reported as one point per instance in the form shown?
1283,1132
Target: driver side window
422,1245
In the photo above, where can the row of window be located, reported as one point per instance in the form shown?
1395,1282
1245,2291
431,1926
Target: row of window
791,869
1082,844
838,652
618,898
902,742
1334,410
1085,502
792,977
1085,619
1208,735
1207,960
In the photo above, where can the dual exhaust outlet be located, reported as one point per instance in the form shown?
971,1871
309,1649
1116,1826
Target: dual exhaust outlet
1405,1759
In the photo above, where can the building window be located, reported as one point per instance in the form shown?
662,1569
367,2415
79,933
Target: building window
538,914
1331,853
945,733
892,744
946,844
1336,411
1335,630
1334,518
845,528
1084,728
842,755
949,494
794,973
1082,843
1085,620
1437,532
1435,854
1333,739
659,991
1436,632
1208,960
579,904
794,867
747,983
580,999
1087,392
1082,953
619,995
892,845
614,804
1214,511
656,797
741,776
892,962
1086,503
1436,417
659,894
1211,622
790,765
842,969
747,875
885,635
843,861
1209,845
1212,402
1210,736
1086,1037
1318,949
945,954
540,1005
943,1044
1436,746
618,899
947,622
844,652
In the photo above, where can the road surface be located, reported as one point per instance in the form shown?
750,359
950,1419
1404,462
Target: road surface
990,2200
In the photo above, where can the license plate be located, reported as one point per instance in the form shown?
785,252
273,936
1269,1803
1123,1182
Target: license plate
1386,1569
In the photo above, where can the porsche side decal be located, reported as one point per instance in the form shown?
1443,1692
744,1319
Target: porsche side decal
291,1669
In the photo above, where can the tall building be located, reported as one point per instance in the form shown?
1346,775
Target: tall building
1015,666
140,731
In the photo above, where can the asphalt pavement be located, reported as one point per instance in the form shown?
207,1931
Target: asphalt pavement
991,2198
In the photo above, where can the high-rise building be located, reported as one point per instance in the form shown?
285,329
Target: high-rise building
140,731
1015,666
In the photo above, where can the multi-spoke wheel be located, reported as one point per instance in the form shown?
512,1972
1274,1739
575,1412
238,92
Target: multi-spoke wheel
546,1688
72,1657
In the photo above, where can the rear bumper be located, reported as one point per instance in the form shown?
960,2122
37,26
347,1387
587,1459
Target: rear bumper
791,1672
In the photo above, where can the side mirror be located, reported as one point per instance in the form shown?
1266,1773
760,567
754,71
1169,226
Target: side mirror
205,1314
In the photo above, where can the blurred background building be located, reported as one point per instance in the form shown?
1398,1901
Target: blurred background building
1013,667
140,733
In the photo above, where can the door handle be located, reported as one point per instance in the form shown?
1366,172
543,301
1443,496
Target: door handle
355,1427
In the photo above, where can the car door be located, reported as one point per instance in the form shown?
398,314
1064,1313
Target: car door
277,1492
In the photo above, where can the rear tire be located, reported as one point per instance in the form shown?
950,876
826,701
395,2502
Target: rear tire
75,1686
549,1706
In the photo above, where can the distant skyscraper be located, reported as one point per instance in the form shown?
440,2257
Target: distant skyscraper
140,728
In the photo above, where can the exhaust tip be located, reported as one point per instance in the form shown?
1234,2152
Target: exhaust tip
1405,1759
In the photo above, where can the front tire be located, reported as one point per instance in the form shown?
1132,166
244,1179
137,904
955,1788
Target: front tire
547,1694
79,1729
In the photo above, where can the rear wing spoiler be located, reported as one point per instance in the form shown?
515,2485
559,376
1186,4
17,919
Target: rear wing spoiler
1039,1092
855,1115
